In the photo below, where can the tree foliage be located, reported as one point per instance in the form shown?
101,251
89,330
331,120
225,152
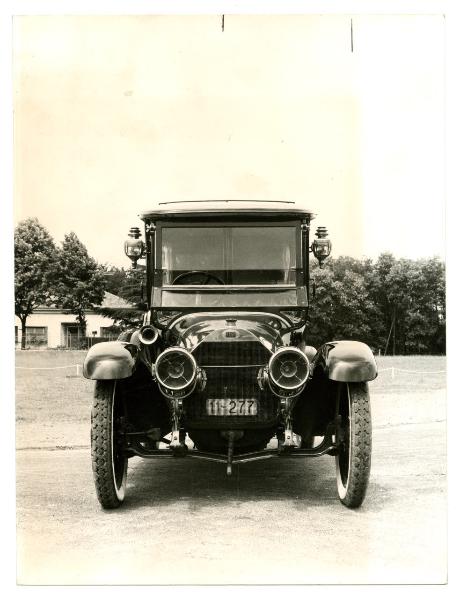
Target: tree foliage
129,284
79,279
34,267
394,305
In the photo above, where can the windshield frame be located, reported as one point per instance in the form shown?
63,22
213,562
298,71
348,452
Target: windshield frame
156,286
195,224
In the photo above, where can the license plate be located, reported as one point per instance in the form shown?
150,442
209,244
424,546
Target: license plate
225,407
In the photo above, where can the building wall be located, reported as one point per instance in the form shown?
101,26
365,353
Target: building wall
54,321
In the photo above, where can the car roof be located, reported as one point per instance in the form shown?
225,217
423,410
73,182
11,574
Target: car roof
206,208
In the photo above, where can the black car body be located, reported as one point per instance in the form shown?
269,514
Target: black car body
221,368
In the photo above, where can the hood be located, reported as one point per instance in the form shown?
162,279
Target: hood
193,329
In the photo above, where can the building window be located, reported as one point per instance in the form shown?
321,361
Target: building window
110,333
74,336
36,336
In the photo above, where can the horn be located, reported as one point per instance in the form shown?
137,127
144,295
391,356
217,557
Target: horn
148,335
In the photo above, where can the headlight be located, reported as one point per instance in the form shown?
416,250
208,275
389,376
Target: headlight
176,372
288,370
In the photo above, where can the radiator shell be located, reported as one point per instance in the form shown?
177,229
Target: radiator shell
231,370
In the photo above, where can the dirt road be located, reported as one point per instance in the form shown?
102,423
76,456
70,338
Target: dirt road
274,521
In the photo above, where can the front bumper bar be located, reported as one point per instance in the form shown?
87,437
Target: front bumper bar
327,446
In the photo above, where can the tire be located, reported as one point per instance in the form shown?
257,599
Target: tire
109,461
308,442
353,459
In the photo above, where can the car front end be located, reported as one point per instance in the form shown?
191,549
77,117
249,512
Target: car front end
221,368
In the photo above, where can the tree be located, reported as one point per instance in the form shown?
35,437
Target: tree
34,266
425,318
396,305
435,273
377,288
129,284
79,280
341,308
410,295
113,278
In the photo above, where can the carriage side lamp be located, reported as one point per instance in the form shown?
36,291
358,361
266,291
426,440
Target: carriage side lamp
134,247
322,246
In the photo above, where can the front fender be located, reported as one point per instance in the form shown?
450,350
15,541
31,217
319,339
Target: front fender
110,360
346,361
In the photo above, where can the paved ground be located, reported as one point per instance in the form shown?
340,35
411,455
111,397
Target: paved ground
274,521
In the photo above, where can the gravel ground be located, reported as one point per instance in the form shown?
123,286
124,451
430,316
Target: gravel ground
274,521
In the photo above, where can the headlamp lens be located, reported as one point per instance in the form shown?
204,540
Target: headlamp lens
289,368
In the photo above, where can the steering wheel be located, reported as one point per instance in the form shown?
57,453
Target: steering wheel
205,278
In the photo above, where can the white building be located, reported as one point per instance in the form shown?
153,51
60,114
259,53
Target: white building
50,327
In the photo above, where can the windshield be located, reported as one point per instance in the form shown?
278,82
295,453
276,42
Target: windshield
229,255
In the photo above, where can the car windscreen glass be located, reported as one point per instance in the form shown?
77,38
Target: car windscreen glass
215,299
229,255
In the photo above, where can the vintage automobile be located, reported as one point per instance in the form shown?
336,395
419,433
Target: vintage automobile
221,368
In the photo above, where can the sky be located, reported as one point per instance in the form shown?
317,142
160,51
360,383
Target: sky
115,113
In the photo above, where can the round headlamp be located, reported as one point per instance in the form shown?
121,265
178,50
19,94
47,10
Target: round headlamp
176,371
288,369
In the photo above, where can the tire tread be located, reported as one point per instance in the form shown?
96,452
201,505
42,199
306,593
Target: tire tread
360,446
101,450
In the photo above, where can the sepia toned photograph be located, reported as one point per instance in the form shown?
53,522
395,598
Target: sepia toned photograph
229,289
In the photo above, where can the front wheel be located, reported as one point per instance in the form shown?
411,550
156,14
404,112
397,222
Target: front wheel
109,460
354,437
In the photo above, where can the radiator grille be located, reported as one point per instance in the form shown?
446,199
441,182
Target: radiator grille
231,372
231,353
232,383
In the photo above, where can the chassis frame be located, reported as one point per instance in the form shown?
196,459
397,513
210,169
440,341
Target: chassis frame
329,445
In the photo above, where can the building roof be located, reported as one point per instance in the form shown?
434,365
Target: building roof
110,301
206,208
113,301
